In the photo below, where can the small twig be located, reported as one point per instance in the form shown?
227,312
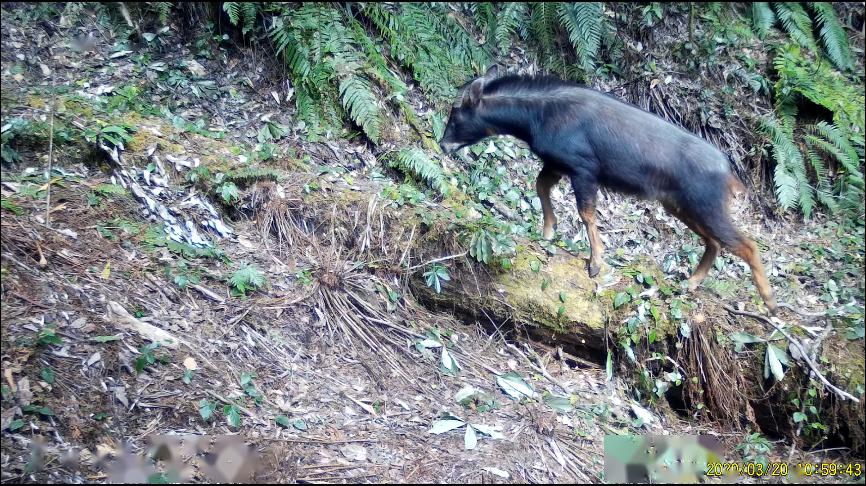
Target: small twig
240,317
408,245
450,257
50,155
208,293
816,345
806,314
796,344
316,440
668,358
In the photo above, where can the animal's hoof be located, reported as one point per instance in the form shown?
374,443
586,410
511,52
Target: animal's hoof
594,269
692,285
548,234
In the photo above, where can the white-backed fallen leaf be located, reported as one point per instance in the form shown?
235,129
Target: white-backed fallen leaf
497,472
195,68
120,395
470,440
643,414
442,426
558,403
491,431
448,361
464,393
430,343
354,452
514,386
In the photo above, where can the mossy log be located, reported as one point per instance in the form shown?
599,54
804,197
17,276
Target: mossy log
555,299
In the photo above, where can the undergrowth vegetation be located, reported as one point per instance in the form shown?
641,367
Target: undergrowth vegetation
384,76
354,68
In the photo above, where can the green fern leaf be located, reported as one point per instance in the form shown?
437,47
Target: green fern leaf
540,30
233,9
584,22
414,162
359,101
763,18
250,10
790,178
832,36
512,16
796,23
848,155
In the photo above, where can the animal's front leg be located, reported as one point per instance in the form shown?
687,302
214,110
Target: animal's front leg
585,194
547,178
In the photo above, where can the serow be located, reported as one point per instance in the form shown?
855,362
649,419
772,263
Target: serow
596,140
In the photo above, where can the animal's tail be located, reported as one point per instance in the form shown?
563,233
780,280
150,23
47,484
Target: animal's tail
734,185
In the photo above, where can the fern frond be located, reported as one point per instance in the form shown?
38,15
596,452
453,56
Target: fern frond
796,23
250,10
823,190
359,101
791,180
295,55
378,65
584,22
763,18
233,9
484,16
847,154
162,9
512,16
415,163
541,26
832,36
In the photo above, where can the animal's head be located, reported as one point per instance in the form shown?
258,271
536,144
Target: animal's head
465,123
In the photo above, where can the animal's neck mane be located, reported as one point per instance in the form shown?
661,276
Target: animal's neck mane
513,86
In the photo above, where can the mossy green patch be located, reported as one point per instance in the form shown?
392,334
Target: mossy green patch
557,295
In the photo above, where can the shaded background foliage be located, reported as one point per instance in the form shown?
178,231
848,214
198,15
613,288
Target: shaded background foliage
776,85
354,63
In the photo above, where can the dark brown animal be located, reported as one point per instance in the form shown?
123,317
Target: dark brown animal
596,140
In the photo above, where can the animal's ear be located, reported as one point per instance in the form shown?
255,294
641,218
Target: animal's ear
472,95
492,72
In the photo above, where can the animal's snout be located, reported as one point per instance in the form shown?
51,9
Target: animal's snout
448,148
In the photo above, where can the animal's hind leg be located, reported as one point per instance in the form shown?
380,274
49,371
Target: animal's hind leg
585,193
719,226
596,248
710,253
748,251
547,178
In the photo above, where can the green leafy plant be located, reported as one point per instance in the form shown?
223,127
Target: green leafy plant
14,128
247,278
755,448
246,381
47,336
149,357
10,206
206,409
834,151
415,163
229,192
435,276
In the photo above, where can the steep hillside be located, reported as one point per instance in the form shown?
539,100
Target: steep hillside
238,222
